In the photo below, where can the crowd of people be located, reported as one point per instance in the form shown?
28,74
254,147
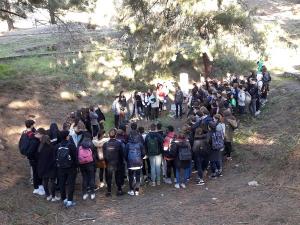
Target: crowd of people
142,154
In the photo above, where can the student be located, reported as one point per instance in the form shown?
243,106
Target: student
230,125
153,145
181,151
170,163
46,164
178,101
94,121
146,162
101,117
66,162
86,160
116,109
241,99
153,99
113,156
54,134
201,154
216,144
134,154
77,133
253,91
28,146
123,107
100,163
146,105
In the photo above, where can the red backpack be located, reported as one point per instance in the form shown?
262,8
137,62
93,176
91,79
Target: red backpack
85,155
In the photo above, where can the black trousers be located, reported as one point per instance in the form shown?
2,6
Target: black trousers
119,177
88,177
117,118
36,180
154,113
135,186
178,108
148,167
171,166
201,162
67,176
46,181
101,174
228,148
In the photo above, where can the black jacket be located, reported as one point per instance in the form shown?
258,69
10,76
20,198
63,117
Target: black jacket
73,151
113,153
33,148
46,161
175,146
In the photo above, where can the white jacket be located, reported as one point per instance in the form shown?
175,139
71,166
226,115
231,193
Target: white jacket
242,98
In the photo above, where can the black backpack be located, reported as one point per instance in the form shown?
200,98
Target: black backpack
24,143
184,153
63,158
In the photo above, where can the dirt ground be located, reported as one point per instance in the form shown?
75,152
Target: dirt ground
267,150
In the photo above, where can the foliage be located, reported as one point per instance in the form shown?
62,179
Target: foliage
157,30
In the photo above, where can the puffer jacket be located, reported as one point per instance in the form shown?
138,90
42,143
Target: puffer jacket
113,153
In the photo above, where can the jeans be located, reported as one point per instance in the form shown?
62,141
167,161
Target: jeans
170,167
178,107
88,177
228,148
52,186
134,186
215,165
155,162
252,106
67,176
36,180
119,177
182,175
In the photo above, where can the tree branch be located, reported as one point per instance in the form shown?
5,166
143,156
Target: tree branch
13,13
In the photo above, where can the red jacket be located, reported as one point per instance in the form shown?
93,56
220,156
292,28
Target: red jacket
167,144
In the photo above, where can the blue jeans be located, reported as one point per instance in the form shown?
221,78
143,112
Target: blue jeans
155,162
182,175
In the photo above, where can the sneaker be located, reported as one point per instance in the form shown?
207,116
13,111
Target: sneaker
65,201
177,186
200,182
219,173
153,184
213,176
93,196
158,183
55,199
102,185
137,193
85,196
168,181
257,113
120,193
229,158
183,186
35,191
49,198
131,193
41,192
108,194
70,204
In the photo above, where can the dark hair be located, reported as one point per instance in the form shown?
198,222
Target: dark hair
64,134
53,131
133,126
152,127
170,128
122,127
112,133
159,126
92,108
29,123
100,134
141,130
41,131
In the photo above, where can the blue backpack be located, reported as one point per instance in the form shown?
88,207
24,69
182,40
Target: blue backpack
217,139
134,154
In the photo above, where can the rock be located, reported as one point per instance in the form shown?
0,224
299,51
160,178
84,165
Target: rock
214,199
253,183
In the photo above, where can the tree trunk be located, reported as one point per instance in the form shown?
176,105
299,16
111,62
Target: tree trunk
52,16
207,65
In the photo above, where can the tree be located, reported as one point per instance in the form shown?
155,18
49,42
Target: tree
158,30
9,9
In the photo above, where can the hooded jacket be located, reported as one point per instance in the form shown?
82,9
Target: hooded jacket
113,153
175,148
230,124
46,158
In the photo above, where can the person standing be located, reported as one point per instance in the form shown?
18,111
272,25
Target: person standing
116,109
94,121
241,99
28,146
178,101
153,143
154,106
113,157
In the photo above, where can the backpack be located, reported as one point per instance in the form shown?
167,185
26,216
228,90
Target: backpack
134,154
152,145
85,155
217,140
184,153
24,142
63,158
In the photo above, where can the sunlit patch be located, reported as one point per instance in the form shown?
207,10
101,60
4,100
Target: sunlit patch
32,104
65,95
256,140
127,72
